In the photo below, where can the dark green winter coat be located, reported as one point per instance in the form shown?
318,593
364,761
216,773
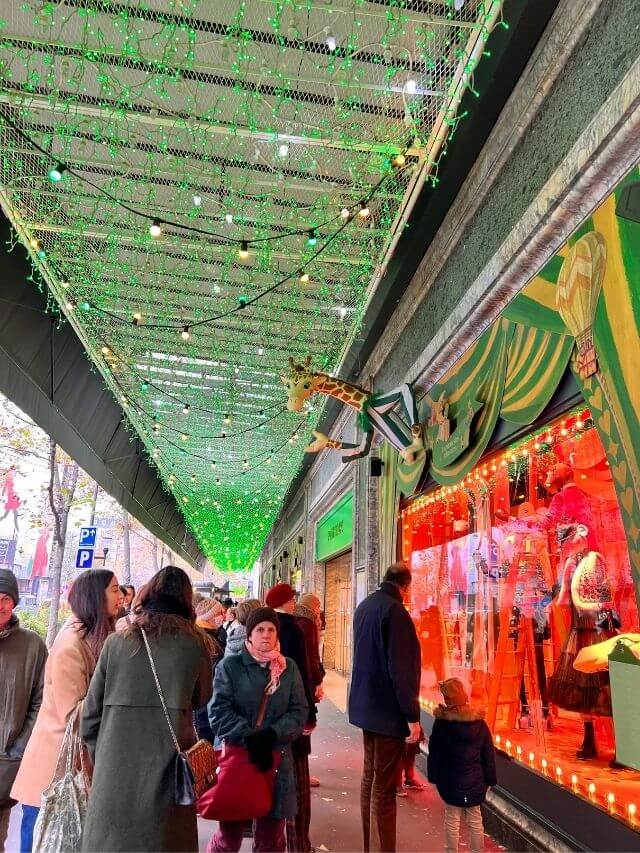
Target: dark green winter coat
131,806
237,691
22,659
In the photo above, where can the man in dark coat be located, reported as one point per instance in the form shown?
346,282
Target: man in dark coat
22,660
383,700
282,599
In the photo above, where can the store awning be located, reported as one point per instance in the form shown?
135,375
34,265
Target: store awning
73,405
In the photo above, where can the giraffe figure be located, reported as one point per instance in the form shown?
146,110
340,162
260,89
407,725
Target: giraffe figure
375,412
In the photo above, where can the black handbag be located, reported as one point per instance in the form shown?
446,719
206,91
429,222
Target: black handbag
184,782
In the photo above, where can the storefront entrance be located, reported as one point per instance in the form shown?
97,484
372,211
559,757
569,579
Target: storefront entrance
338,613
334,537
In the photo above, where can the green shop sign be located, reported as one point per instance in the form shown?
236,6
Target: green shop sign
334,532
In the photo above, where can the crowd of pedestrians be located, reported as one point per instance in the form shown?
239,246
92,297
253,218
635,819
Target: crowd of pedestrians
146,683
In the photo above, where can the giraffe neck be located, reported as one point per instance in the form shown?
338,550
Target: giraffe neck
347,394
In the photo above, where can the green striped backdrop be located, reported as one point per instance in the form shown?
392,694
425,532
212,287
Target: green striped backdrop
515,366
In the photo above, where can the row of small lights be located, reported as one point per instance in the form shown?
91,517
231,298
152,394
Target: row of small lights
558,773
185,331
510,456
137,318
227,420
57,172
362,211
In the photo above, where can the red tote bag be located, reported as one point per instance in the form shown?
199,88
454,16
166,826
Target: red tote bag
242,790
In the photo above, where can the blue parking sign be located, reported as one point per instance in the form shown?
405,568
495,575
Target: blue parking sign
84,558
87,537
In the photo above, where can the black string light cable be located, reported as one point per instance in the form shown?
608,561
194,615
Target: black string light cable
245,303
401,165
264,455
186,328
126,400
60,169
189,435
108,352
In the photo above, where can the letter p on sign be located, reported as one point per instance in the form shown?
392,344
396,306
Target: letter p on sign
84,558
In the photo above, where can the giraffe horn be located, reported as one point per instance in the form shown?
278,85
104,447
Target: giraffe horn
307,362
292,363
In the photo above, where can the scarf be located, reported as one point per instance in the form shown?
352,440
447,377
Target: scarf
275,659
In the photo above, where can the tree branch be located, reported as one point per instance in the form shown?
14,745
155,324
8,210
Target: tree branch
55,510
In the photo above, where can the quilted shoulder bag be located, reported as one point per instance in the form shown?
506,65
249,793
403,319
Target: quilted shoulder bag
195,768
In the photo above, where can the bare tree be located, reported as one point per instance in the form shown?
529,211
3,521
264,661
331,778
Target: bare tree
61,494
126,546
93,503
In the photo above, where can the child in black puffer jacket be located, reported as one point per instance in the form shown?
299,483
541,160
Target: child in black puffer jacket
461,763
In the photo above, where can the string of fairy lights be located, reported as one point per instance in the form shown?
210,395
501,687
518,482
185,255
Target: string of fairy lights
210,189
56,174
513,464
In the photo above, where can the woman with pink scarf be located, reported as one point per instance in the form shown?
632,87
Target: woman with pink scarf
240,683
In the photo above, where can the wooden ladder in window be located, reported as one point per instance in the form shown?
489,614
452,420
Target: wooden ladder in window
512,655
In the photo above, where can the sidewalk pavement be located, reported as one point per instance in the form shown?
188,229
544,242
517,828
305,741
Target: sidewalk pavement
335,806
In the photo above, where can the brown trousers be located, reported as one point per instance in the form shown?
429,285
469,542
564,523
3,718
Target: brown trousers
298,826
382,761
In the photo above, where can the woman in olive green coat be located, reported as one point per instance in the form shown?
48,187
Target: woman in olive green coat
131,805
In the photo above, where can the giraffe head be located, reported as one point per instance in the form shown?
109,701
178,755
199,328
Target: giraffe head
301,383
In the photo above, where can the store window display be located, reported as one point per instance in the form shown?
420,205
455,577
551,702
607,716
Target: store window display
518,571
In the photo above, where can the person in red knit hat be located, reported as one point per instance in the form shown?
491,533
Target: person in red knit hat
282,598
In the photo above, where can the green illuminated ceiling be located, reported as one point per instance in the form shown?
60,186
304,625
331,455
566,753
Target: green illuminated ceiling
227,121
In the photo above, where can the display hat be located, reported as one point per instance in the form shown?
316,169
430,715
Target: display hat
9,585
262,614
279,594
453,693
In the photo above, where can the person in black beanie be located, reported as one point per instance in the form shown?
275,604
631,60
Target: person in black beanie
22,659
241,681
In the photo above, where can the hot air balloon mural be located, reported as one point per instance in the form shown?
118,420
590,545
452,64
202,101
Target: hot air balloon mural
577,293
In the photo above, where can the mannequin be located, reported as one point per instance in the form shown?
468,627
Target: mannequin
569,505
586,589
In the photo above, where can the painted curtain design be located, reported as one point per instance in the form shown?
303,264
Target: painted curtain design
516,365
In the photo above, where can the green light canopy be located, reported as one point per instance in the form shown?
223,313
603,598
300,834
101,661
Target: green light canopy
209,188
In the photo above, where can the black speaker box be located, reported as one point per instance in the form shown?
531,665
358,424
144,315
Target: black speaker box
375,466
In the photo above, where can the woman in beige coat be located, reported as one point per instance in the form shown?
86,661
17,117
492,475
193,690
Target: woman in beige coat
94,599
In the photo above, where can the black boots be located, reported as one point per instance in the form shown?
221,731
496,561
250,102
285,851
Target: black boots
588,748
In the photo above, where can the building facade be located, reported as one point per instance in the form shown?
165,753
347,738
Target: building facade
523,393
